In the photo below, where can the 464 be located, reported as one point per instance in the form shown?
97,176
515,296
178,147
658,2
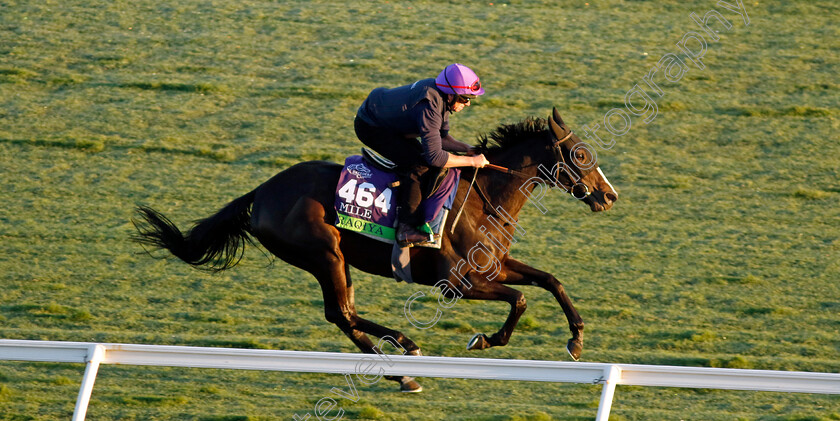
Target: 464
363,196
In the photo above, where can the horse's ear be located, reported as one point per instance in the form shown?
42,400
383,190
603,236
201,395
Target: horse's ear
558,131
556,116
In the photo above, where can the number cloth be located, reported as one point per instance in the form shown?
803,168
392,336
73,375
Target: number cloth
365,203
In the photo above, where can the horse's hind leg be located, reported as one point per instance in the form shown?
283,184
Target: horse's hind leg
306,241
391,336
395,338
340,309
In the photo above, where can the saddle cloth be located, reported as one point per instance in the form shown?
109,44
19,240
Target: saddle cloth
366,201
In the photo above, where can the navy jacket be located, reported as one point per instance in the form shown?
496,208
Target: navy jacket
416,110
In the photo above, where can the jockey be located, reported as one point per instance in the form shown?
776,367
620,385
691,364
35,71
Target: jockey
389,121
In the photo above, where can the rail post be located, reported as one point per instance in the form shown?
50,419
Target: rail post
612,375
96,353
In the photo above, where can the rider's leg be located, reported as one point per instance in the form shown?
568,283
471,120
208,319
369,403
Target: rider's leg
409,212
411,168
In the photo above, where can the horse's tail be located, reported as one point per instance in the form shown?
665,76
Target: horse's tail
217,241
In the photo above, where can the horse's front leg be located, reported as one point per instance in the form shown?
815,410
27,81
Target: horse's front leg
518,273
482,289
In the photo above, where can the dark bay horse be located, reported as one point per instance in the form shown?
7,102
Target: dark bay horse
292,216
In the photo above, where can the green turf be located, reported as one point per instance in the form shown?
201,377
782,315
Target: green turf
722,250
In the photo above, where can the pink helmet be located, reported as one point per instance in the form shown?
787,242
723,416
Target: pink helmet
458,79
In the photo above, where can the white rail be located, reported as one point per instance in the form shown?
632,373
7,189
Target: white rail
609,375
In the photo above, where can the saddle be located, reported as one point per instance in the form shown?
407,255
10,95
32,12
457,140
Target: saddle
378,160
366,198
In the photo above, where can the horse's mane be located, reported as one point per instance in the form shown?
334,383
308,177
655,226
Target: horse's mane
509,135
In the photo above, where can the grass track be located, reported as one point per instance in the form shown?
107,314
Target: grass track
722,251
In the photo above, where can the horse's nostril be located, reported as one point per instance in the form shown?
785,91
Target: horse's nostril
611,197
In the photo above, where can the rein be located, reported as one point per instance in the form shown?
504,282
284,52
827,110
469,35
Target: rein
463,203
506,170
488,207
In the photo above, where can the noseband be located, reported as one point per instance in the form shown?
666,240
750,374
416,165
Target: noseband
576,188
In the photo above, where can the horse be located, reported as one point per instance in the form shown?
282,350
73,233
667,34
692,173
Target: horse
292,216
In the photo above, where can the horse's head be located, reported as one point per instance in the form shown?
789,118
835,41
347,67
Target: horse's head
576,167
548,153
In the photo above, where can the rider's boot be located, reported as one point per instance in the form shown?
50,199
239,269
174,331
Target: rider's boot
408,235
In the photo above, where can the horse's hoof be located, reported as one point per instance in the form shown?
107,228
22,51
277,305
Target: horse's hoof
479,341
415,353
574,348
409,385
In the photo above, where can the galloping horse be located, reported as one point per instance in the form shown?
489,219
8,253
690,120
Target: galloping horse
292,216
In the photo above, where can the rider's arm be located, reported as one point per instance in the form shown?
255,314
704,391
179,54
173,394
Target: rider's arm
465,161
451,144
429,124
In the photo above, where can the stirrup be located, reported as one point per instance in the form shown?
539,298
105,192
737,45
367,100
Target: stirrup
411,235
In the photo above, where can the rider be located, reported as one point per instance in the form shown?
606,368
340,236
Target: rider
389,121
